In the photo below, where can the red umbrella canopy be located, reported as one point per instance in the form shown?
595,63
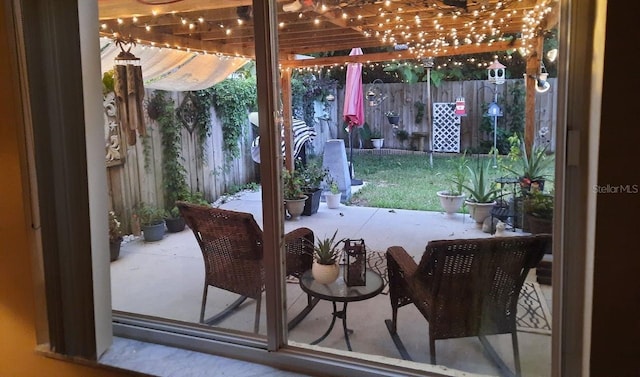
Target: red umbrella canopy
353,94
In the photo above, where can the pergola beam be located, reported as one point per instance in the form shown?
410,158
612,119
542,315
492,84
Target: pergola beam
395,55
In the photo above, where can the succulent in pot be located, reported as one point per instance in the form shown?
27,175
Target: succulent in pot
482,191
326,251
532,170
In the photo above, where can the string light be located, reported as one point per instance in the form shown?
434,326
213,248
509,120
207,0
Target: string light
482,24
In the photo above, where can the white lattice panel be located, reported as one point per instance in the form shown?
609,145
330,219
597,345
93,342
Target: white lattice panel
446,128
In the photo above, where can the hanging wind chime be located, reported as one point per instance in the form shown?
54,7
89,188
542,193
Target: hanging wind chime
129,90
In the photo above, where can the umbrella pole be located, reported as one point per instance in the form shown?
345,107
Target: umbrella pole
354,181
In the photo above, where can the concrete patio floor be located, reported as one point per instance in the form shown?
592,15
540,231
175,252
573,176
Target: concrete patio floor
164,279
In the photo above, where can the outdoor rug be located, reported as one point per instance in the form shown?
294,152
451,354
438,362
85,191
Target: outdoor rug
533,314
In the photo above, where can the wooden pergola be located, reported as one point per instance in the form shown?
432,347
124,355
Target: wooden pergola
408,29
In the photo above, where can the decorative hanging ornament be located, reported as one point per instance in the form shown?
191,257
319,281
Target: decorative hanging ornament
496,73
460,107
129,89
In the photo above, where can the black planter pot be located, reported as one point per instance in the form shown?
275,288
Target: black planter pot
175,225
114,249
153,232
393,119
312,203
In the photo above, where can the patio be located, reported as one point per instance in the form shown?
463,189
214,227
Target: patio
164,279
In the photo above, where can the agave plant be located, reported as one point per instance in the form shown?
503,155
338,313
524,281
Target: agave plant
533,168
481,189
326,251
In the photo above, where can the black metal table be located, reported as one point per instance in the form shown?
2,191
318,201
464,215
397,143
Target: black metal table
338,291
504,212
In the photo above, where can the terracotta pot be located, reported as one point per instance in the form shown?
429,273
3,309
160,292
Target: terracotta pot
325,273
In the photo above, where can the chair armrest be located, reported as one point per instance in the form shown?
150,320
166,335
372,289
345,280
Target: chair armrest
299,251
403,261
299,233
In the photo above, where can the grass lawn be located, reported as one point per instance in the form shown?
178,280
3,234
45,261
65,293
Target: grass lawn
408,181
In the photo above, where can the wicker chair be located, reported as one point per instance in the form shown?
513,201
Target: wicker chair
465,287
231,245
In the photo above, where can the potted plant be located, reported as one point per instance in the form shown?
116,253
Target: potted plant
482,191
393,117
175,221
402,136
313,174
115,236
376,138
532,170
294,197
538,212
152,222
452,198
325,269
334,195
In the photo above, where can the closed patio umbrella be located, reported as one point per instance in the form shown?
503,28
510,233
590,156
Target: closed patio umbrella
353,105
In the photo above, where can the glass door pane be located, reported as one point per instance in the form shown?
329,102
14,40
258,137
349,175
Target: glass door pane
182,140
398,96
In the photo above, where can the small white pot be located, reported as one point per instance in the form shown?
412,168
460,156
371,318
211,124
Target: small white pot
333,200
325,273
377,143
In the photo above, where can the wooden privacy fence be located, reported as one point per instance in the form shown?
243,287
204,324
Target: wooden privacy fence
135,172
401,98
136,176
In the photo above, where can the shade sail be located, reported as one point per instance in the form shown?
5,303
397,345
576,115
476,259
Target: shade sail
174,70
353,95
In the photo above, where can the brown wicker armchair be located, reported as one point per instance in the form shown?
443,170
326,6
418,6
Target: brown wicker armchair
231,245
465,287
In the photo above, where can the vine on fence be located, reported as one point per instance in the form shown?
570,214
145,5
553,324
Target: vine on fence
170,130
203,103
233,99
